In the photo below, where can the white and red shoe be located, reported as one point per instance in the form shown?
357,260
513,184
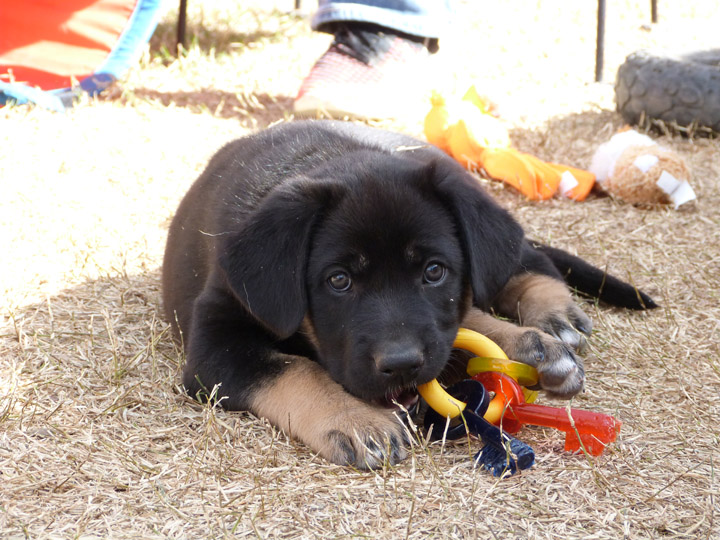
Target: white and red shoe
367,73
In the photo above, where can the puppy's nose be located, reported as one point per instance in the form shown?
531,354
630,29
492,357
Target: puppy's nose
400,362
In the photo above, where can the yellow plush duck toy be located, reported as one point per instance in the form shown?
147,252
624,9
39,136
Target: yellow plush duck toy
467,131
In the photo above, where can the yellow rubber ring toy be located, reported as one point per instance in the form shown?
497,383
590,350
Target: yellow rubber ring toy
492,358
446,405
478,344
440,400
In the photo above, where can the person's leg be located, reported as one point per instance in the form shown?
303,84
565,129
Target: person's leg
375,66
423,18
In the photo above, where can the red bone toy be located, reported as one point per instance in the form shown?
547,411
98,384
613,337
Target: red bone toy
595,430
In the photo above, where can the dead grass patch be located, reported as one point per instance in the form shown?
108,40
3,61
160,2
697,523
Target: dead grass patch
98,441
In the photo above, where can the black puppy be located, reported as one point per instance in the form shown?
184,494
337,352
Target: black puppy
319,271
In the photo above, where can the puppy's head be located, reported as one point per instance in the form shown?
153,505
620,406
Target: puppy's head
377,255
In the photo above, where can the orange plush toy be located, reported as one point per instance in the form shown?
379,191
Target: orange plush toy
467,131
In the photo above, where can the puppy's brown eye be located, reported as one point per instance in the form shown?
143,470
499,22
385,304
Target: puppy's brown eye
340,281
434,273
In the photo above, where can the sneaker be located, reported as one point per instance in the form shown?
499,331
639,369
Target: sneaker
368,72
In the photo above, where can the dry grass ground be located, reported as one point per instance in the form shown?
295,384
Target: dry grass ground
98,441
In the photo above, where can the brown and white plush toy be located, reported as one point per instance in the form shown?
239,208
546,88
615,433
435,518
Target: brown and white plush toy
635,169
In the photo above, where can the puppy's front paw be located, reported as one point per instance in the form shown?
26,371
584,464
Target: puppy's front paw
545,303
570,325
561,371
308,405
366,437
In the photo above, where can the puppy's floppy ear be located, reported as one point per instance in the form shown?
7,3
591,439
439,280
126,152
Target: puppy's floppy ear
265,263
491,239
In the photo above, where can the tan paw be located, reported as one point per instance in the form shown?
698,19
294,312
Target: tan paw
561,371
365,437
308,405
547,304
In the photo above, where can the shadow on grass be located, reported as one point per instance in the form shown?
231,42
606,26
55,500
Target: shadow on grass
255,110
99,333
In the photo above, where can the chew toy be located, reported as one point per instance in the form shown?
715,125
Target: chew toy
501,453
467,131
490,358
511,408
594,431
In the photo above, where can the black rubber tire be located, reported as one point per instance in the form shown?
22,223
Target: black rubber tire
684,91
